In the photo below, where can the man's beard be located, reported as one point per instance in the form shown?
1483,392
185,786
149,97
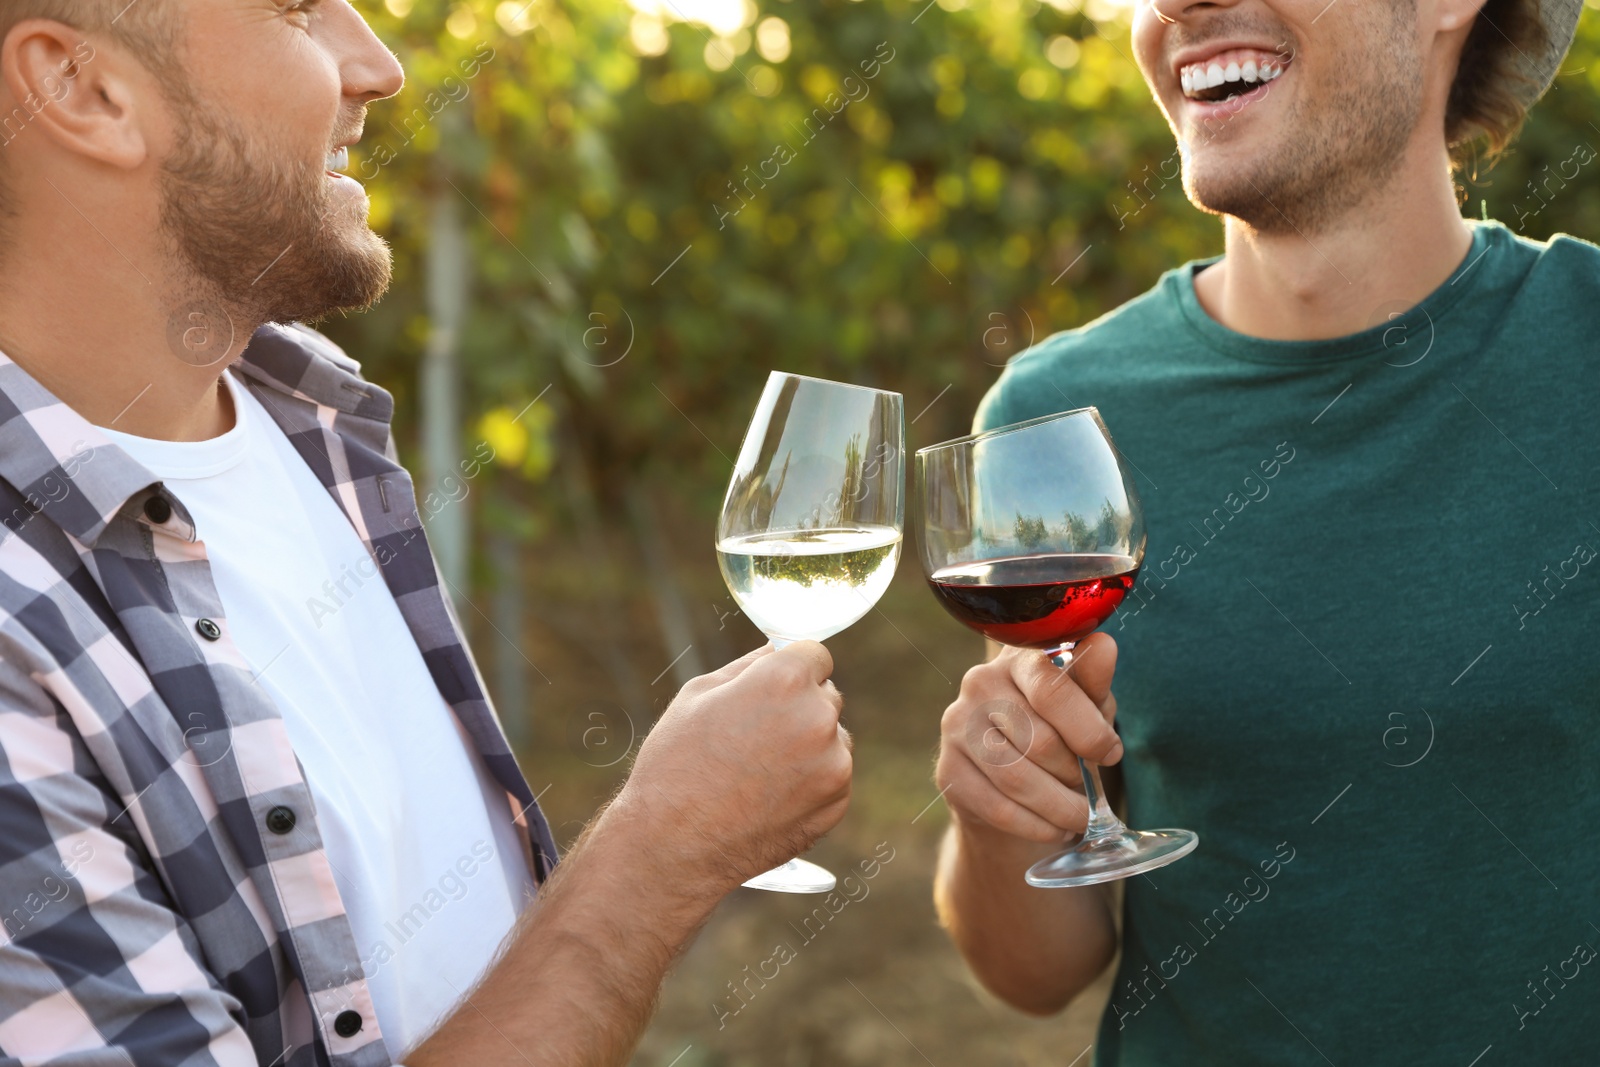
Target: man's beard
1340,152
261,234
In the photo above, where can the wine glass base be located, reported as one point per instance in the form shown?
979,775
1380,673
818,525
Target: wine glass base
796,876
1106,859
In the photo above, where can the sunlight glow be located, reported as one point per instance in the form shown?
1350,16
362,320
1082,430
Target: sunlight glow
723,17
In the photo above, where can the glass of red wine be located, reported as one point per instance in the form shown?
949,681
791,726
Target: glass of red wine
1032,535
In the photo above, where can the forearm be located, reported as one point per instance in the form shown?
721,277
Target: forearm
1034,948
579,981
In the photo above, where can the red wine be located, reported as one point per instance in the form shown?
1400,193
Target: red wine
1036,601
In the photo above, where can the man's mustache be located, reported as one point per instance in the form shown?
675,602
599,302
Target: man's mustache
1228,26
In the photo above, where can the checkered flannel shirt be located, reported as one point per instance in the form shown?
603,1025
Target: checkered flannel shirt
157,904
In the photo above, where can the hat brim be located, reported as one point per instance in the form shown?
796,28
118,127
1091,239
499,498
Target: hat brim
1560,18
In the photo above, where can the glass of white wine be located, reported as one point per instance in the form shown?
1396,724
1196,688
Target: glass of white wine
811,526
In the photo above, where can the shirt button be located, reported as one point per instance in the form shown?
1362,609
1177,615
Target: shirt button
280,820
208,629
347,1024
157,510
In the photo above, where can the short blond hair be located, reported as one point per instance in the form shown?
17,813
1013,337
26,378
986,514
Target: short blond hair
147,25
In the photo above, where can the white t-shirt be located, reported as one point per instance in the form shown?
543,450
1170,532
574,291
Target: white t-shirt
405,807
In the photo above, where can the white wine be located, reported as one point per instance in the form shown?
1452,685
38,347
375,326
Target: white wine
800,585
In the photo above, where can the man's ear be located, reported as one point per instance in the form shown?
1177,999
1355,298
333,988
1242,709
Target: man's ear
79,97
1456,14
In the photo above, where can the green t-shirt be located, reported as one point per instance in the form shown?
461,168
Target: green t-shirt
1362,665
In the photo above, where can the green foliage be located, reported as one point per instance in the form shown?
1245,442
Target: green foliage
652,233
851,568
1077,534
1029,531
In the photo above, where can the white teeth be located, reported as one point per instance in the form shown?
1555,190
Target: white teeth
338,160
1199,77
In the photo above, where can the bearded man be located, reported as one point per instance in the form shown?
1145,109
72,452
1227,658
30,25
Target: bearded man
237,829
1359,658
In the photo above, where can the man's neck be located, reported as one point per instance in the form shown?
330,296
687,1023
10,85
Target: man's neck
1378,260
105,334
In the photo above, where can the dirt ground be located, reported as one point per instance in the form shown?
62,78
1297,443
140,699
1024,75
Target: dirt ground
879,984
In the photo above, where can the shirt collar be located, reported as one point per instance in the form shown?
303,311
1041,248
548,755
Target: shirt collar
64,467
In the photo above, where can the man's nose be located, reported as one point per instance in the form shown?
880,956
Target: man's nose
1175,10
366,66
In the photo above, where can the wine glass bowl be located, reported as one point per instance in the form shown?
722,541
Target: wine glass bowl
1032,535
811,526
809,585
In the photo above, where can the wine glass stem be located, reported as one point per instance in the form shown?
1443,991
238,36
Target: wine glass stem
1102,821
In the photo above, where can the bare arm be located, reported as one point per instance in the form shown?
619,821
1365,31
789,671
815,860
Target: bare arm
1036,949
746,769
1006,762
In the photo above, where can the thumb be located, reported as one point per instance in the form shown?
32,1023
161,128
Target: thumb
733,668
813,657
1094,662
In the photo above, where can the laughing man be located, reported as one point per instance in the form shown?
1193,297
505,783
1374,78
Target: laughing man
235,831
1360,660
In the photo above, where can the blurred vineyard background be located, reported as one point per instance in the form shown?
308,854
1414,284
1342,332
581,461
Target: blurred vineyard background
611,219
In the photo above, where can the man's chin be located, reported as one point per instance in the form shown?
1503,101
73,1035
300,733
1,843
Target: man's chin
1253,198
350,274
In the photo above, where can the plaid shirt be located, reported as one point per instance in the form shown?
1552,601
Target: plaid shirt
165,897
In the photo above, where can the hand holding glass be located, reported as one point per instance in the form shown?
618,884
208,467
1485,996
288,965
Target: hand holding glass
811,526
1032,534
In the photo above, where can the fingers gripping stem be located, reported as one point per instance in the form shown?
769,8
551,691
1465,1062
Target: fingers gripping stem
1102,821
